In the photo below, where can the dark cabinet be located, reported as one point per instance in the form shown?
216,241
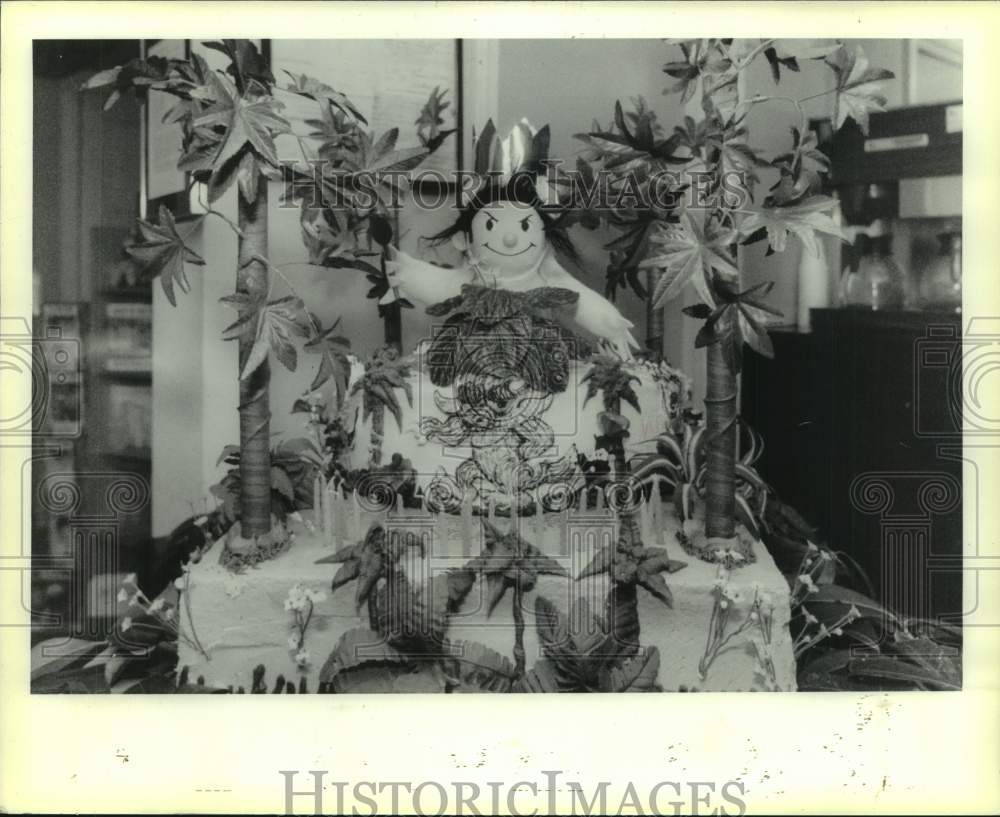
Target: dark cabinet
861,420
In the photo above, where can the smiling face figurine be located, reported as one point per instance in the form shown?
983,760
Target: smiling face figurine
509,239
506,233
506,238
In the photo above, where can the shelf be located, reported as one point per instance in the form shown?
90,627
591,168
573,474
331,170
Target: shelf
855,320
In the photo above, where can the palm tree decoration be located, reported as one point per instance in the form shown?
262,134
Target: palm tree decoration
630,564
384,373
229,121
373,558
695,239
609,376
406,649
508,561
586,653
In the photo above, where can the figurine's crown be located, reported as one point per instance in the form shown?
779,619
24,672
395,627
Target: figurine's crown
523,150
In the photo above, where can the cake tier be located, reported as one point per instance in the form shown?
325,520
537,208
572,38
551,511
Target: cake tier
485,439
241,620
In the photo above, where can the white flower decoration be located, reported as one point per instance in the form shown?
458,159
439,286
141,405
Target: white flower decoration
233,585
123,595
157,604
808,582
126,624
298,598
168,614
293,642
302,657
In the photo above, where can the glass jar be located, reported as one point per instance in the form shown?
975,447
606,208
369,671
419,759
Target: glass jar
941,283
878,282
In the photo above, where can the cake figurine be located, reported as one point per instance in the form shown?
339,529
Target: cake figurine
509,237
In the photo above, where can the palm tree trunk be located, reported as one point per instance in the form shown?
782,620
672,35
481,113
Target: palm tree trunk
393,318
623,616
378,432
619,452
372,611
654,317
255,412
720,402
518,628
720,444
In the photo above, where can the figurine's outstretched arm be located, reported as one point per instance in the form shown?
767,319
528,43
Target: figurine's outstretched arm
594,313
421,281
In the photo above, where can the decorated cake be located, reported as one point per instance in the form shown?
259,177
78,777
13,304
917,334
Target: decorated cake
526,500
510,506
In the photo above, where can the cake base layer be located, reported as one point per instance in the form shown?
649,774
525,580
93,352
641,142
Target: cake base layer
241,620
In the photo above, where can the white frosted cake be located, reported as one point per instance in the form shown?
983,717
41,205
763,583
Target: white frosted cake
493,514
241,619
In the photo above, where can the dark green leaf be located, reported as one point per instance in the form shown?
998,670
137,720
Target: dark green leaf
859,89
655,584
700,311
635,674
162,251
314,89
688,255
278,323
